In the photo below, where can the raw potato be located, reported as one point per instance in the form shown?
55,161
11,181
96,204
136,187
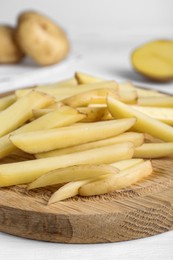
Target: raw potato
47,140
67,191
28,171
136,138
72,173
10,51
20,111
154,60
56,118
118,181
41,39
83,78
156,101
71,189
7,101
160,113
125,164
144,123
153,150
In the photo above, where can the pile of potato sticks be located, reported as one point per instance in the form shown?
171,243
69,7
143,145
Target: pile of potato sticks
86,133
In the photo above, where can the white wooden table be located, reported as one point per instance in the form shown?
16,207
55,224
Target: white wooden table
103,34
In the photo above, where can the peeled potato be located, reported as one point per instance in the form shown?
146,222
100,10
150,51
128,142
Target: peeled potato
41,39
9,49
154,60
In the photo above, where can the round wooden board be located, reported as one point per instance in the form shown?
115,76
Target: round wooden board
140,211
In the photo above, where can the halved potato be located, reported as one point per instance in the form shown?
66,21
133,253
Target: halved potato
154,60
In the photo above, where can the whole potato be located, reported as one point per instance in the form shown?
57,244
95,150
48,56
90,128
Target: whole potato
41,39
9,49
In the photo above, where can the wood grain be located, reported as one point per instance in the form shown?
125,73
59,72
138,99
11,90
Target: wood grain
142,210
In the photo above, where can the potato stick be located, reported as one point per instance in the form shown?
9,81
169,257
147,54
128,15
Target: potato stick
83,78
160,113
144,123
20,111
156,101
136,138
66,110
28,171
71,189
72,173
92,114
67,191
149,93
79,89
85,98
125,86
67,82
118,181
56,118
122,165
128,97
7,101
153,150
47,140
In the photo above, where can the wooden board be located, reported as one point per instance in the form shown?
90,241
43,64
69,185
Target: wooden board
140,211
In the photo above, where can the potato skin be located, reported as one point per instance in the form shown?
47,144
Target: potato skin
41,39
9,49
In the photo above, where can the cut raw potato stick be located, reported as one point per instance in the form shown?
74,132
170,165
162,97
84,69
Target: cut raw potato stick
155,101
136,138
56,118
71,189
70,91
64,109
7,101
86,98
144,123
122,165
28,171
125,86
63,92
118,181
154,60
83,78
47,140
67,191
67,82
92,114
162,114
72,173
154,150
128,97
20,111
149,93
